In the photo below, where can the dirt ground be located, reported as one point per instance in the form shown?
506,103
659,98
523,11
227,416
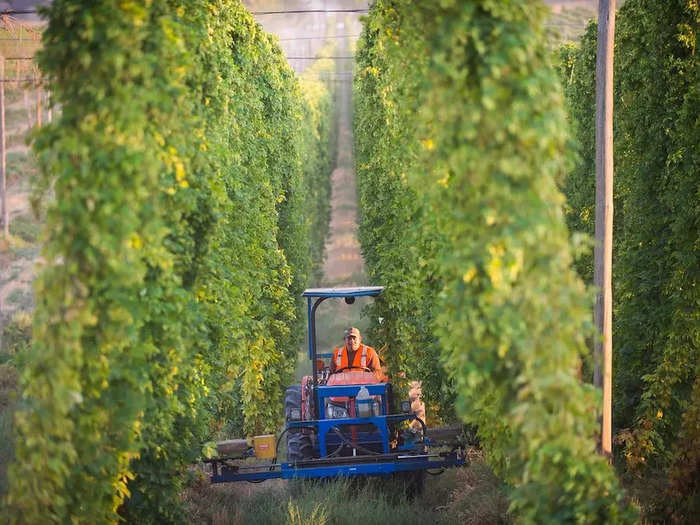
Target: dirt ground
18,257
344,265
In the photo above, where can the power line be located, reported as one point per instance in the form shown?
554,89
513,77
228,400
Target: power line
12,12
18,12
36,80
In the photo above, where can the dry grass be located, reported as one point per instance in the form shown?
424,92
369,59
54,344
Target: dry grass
467,495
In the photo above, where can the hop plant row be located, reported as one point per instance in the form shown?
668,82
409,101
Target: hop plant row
656,262
190,201
461,140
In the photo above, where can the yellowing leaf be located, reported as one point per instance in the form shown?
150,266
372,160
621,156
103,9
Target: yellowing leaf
469,275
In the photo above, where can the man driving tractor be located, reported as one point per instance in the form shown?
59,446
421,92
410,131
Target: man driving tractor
356,356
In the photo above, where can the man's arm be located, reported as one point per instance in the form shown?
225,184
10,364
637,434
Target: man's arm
375,365
332,365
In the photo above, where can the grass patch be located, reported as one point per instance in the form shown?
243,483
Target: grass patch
478,496
333,502
21,166
11,275
20,298
15,296
13,94
20,249
17,113
17,139
25,227
467,495
16,336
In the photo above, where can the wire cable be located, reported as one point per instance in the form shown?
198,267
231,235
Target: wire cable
12,12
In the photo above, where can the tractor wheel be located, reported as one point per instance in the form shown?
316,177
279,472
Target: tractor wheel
299,446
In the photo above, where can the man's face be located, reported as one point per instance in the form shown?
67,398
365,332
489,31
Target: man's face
352,342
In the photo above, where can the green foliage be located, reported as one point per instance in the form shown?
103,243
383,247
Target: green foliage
658,318
398,256
25,227
461,140
167,293
577,71
657,264
684,486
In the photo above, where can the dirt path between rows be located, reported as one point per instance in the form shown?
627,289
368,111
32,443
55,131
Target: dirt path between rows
344,264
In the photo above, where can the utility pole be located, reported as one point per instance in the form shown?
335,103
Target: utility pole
604,215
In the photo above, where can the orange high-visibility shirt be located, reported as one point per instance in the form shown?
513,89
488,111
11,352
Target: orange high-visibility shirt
365,357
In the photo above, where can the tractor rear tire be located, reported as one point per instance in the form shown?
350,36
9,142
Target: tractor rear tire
299,445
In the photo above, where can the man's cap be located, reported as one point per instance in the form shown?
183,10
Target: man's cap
351,331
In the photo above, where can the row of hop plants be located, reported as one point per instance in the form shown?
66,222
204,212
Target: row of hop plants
189,210
461,141
656,253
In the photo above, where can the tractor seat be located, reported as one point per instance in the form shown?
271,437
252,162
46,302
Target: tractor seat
350,377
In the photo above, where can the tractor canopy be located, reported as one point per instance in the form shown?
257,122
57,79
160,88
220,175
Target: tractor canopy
354,291
315,296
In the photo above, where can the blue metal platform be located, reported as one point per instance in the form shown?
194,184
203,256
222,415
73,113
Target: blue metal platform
383,465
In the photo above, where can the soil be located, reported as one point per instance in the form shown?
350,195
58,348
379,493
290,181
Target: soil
344,264
17,261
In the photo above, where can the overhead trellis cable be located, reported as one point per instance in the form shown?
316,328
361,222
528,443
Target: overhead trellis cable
294,11
18,12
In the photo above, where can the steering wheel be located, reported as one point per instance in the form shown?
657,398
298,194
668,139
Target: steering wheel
337,371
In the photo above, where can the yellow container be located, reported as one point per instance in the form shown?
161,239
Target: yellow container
264,446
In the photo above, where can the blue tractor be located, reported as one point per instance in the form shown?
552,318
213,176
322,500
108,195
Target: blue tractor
343,424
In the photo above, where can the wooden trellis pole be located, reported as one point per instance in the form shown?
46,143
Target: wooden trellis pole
604,215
